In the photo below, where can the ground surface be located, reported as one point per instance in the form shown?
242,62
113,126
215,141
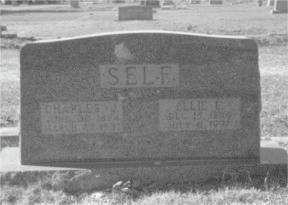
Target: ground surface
270,32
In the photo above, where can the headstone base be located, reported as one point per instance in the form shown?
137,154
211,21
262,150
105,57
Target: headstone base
162,176
9,35
278,12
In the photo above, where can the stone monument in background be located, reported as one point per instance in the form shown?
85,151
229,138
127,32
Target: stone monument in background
75,4
216,2
126,13
280,6
270,2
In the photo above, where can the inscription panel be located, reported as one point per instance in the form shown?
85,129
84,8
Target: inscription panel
81,117
199,114
135,75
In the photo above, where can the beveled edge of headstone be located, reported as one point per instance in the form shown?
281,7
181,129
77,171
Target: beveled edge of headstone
144,32
85,164
272,153
235,41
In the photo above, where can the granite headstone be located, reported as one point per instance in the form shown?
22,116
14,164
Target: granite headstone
135,13
143,98
216,2
280,6
270,2
150,3
75,4
195,1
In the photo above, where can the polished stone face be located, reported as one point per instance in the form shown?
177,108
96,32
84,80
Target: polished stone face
139,96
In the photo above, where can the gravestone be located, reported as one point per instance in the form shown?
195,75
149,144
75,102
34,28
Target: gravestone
150,3
280,6
259,3
161,106
195,1
168,4
270,2
135,13
14,2
75,4
216,2
3,28
118,1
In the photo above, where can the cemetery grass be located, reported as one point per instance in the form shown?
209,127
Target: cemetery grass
47,188
235,195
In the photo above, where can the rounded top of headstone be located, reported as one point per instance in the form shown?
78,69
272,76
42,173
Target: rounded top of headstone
148,32
232,41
